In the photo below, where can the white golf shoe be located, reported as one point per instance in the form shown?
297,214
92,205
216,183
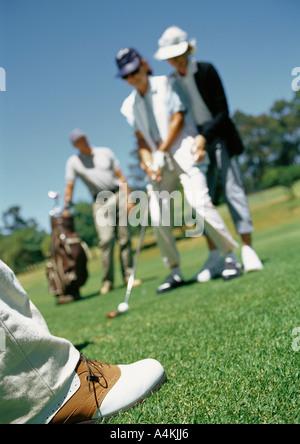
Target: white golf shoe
99,391
136,382
251,260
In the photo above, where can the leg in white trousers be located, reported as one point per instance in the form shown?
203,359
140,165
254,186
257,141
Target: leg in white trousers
196,192
34,365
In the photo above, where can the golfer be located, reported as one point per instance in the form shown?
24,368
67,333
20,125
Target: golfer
45,380
100,171
201,89
168,148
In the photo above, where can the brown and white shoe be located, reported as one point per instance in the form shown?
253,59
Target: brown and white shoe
105,288
62,299
103,390
135,282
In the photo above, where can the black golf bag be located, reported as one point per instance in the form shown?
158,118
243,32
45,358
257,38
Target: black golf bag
67,267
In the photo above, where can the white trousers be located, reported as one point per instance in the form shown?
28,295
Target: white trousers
34,365
194,183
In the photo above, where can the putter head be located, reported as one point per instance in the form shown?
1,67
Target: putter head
113,314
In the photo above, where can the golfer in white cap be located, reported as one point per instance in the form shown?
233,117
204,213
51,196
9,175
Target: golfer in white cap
166,146
201,89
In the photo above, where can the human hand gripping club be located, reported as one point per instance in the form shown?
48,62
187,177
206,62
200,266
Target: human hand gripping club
153,168
158,163
198,149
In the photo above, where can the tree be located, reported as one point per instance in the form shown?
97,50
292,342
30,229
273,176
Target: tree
12,220
22,245
285,130
270,140
285,176
22,248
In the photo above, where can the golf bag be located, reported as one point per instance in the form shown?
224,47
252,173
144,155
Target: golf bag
67,268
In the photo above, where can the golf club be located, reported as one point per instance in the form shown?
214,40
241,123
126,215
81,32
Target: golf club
56,211
124,306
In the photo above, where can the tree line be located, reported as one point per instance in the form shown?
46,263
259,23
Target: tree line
271,158
272,145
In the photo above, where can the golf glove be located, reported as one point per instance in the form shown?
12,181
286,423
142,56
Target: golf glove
158,160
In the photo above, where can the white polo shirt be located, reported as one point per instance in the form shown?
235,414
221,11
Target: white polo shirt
97,171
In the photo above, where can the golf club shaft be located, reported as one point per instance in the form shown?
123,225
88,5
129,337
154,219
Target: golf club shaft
137,253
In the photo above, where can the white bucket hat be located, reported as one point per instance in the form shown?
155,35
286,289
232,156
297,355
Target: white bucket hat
173,43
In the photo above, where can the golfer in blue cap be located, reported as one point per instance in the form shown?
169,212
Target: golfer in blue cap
170,153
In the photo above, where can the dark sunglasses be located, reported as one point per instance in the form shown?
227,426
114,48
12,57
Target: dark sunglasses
133,73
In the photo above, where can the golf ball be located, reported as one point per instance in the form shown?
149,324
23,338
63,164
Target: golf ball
123,307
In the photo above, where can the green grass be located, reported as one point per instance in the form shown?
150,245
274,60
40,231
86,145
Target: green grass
226,347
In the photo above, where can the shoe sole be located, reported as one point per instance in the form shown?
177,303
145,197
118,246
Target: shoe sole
170,289
229,278
252,270
157,386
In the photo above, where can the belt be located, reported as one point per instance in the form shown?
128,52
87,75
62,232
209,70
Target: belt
115,190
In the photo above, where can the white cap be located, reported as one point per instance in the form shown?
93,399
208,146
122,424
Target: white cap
173,43
76,134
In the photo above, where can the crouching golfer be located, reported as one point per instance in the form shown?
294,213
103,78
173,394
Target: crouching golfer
168,152
45,380
100,171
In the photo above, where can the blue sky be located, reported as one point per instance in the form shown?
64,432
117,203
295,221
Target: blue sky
58,56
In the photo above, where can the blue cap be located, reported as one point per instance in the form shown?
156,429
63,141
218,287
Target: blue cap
128,61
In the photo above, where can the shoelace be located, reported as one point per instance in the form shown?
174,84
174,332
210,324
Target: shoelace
92,377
